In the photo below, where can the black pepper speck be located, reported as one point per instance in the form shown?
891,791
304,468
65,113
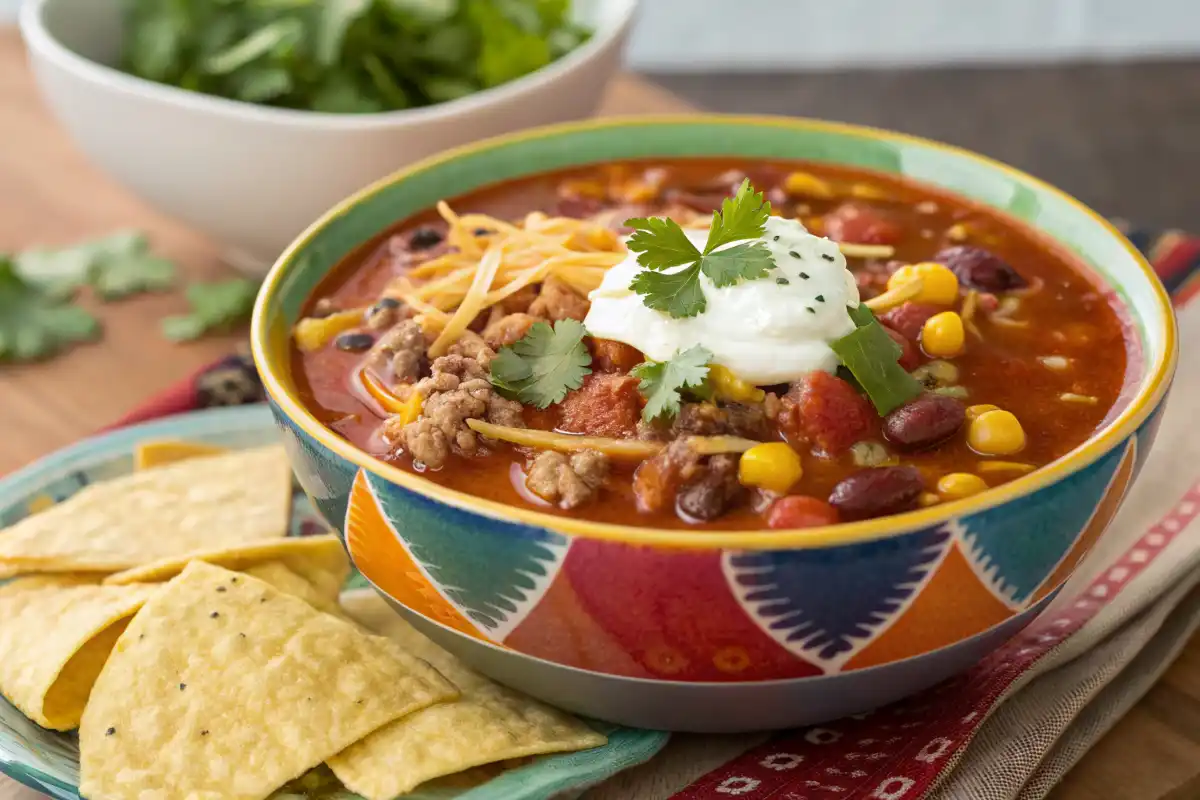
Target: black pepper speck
804,275
221,589
204,733
827,257
794,254
241,636
810,309
110,731
182,686
214,615
782,281
233,580
776,239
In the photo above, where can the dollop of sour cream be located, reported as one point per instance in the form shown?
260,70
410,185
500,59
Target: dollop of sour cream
766,331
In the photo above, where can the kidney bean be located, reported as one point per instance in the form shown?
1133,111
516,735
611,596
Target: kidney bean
909,318
979,268
861,224
925,422
877,492
799,511
704,202
908,352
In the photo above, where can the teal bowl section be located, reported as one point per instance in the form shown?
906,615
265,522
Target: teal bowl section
719,632
48,761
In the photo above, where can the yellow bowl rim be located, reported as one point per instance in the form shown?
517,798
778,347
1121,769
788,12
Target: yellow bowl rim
1157,380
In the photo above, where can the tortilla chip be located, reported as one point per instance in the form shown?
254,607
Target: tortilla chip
149,455
320,560
489,723
288,582
203,503
224,687
55,635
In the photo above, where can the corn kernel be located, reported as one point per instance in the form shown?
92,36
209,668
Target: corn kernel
981,408
313,333
957,485
996,433
942,335
939,286
774,466
730,387
868,191
927,499
803,184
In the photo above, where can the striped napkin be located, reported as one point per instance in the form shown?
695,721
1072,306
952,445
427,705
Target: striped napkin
1012,726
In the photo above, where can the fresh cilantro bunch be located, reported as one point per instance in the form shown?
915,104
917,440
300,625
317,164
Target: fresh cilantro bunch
542,366
663,383
661,245
344,56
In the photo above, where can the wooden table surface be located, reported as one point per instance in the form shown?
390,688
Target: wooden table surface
50,195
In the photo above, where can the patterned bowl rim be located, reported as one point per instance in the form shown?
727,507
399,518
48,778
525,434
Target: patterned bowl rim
269,359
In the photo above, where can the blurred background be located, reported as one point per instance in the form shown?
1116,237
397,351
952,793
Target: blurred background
1101,97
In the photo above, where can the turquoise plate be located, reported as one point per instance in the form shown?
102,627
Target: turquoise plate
49,762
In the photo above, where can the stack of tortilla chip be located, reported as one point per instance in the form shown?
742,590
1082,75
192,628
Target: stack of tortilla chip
201,653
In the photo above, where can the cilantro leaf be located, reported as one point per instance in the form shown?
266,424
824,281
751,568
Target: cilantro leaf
35,322
115,266
663,382
873,357
746,261
678,294
743,216
542,366
661,243
134,274
214,306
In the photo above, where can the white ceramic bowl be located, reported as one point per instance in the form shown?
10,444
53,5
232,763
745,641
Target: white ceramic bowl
254,177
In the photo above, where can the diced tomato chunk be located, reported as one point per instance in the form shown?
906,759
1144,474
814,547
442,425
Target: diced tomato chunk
799,511
861,224
827,411
908,351
909,318
606,405
612,356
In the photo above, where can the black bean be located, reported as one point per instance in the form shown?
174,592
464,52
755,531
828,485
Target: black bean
980,269
424,238
877,492
386,302
354,342
925,422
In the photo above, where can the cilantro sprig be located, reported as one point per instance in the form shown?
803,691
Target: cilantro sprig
872,357
663,383
38,321
661,244
542,366
115,266
213,306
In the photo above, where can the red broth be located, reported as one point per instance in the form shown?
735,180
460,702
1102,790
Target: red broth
1057,362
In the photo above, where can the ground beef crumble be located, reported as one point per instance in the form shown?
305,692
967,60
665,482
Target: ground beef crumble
557,300
400,352
506,329
456,390
568,482
716,491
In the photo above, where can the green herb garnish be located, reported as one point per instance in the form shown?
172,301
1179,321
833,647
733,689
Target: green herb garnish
663,383
38,321
542,366
872,357
214,307
344,56
661,244
116,266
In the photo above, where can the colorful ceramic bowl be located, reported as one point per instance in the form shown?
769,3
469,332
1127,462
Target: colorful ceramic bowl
719,631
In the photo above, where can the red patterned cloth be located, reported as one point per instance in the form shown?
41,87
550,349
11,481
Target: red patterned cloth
909,750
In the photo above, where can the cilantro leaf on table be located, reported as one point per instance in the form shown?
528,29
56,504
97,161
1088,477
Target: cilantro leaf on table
115,266
214,306
662,244
873,358
663,383
542,366
36,322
